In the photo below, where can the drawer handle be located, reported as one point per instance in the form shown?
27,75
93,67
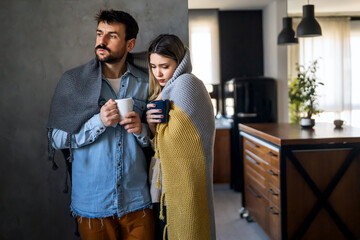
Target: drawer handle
253,192
272,154
272,173
272,192
252,144
252,160
271,209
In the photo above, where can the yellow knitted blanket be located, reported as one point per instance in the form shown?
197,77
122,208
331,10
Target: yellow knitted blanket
185,147
184,177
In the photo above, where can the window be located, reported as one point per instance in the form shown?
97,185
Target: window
355,72
338,54
204,48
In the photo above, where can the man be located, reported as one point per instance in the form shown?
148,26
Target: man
110,195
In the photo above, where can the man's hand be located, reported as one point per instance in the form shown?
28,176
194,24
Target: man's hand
109,113
132,123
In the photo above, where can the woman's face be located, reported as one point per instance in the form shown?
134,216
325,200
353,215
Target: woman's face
162,67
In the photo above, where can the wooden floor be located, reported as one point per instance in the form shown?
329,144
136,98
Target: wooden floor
229,225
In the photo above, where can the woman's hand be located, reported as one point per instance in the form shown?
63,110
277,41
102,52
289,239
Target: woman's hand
153,117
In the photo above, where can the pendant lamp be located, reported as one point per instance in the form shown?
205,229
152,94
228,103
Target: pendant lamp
287,35
308,27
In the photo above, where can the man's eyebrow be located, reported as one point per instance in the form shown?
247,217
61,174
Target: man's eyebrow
113,32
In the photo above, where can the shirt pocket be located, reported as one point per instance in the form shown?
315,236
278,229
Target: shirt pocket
139,106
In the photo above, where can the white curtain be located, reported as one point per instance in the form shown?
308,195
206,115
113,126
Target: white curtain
355,70
204,45
332,50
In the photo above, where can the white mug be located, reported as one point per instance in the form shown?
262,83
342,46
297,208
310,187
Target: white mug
124,106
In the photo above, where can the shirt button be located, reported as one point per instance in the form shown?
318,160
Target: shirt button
97,131
118,164
119,144
90,140
101,128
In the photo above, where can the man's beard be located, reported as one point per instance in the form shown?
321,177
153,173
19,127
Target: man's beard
110,58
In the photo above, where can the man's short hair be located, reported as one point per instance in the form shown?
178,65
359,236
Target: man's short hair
113,16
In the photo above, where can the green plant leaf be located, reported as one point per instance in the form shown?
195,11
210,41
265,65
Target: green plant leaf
303,92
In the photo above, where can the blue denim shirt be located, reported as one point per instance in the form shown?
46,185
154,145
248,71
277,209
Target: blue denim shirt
109,171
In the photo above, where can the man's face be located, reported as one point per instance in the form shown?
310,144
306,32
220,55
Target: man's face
111,45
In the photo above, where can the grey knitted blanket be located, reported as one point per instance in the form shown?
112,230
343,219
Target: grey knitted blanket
77,98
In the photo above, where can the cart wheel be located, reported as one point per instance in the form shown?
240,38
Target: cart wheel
249,218
242,211
244,214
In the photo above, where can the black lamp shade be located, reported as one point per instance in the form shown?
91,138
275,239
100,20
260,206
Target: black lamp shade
308,27
287,35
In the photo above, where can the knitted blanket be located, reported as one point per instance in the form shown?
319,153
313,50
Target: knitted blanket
77,98
185,147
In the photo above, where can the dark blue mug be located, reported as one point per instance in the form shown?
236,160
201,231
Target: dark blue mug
164,105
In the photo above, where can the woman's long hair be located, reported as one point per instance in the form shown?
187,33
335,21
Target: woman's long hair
167,45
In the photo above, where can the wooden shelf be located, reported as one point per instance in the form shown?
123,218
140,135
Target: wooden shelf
222,156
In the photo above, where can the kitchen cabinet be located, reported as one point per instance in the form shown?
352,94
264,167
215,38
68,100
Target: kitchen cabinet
302,183
221,172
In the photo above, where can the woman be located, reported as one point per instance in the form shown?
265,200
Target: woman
182,165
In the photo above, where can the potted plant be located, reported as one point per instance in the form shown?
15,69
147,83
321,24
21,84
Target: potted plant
303,95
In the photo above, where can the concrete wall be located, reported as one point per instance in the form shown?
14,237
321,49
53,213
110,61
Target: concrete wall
275,56
39,41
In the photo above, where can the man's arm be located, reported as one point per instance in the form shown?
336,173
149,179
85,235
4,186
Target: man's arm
88,133
143,138
91,130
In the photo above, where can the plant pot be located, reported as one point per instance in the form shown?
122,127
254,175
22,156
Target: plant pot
307,122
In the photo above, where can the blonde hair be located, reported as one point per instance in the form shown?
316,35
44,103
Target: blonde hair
154,87
167,45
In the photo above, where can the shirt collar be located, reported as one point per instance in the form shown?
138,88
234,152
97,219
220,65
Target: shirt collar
131,69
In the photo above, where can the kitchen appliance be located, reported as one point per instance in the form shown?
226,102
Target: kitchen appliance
247,100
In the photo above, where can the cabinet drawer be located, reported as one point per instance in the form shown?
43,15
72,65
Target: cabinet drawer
273,176
259,181
273,158
274,195
255,162
255,203
274,223
256,148
261,150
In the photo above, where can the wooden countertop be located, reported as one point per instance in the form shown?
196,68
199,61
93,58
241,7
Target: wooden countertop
292,134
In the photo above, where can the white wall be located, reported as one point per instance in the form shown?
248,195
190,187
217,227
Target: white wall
275,57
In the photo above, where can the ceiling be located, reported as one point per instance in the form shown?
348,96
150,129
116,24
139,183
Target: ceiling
322,7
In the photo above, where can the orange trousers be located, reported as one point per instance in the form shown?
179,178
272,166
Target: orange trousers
138,225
